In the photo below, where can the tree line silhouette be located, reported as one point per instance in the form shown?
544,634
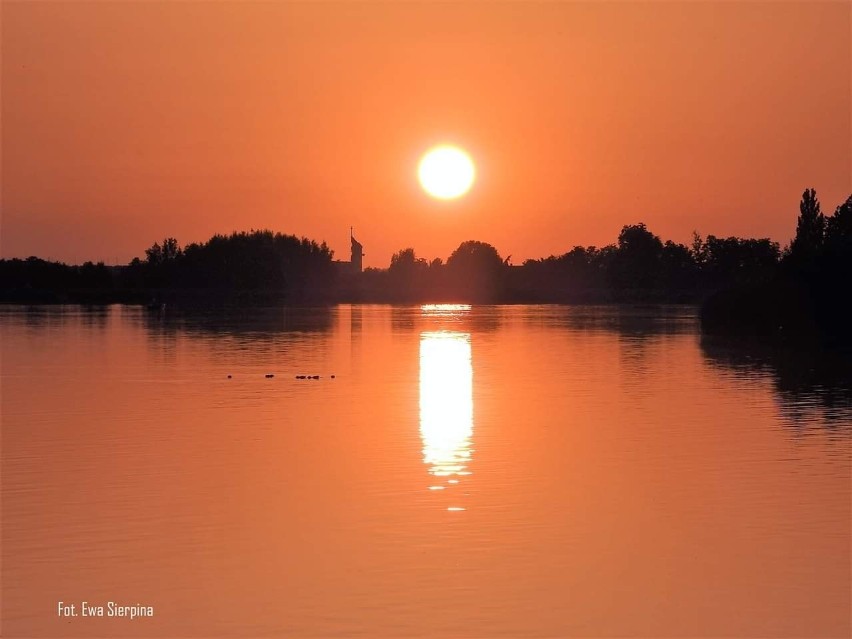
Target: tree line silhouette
748,285
808,292
255,265
257,262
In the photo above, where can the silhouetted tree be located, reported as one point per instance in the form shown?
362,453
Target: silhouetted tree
475,269
171,249
407,274
698,249
678,270
636,263
838,229
161,261
154,255
94,276
735,260
830,273
404,259
810,228
577,275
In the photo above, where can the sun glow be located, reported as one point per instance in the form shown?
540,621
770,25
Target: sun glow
446,172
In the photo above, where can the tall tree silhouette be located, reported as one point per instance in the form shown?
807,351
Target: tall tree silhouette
810,228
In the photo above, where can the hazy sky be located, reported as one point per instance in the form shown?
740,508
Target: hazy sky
124,122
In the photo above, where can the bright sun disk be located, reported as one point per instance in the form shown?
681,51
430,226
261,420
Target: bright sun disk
446,172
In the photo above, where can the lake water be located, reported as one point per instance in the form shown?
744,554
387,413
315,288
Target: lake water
488,471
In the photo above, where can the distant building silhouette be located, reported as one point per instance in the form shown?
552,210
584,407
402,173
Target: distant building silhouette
355,265
357,256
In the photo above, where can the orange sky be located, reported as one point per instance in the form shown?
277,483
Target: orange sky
125,122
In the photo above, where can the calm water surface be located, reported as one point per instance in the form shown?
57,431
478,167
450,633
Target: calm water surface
485,471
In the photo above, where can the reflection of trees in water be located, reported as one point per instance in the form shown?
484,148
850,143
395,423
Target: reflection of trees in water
633,349
45,316
805,379
636,327
249,332
632,323
638,330
94,317
257,322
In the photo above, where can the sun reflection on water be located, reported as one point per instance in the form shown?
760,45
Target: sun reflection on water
454,311
446,405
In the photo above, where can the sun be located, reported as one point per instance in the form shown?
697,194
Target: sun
446,172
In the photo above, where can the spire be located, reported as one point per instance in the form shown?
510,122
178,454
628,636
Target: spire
357,253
